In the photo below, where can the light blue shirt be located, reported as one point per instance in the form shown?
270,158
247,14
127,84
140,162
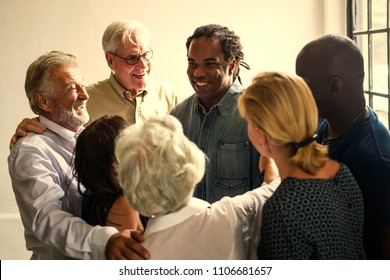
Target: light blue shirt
48,200
233,163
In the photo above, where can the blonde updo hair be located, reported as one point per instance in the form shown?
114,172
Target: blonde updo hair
158,167
283,107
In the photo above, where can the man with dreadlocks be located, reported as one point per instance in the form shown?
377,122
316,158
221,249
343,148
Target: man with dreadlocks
210,117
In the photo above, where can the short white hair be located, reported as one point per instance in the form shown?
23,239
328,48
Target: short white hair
118,32
158,166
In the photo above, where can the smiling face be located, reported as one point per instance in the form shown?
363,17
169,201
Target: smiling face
67,105
208,72
133,78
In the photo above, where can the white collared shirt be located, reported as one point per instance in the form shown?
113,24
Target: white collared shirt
226,229
48,200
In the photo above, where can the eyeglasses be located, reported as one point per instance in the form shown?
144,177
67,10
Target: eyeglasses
133,59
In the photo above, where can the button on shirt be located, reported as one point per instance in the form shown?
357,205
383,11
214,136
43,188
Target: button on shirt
48,200
232,166
109,98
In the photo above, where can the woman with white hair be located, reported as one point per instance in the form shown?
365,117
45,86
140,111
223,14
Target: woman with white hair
158,168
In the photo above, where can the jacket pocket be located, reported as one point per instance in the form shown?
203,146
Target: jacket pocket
232,166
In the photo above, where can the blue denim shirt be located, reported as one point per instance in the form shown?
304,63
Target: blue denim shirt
232,166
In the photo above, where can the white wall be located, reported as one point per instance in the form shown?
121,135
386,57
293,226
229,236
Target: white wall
272,33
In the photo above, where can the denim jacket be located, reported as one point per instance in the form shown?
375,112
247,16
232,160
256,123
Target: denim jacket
232,165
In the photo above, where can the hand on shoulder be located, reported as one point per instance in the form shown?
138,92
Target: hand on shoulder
25,126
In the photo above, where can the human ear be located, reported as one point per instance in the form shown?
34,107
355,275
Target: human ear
109,59
336,83
232,66
263,142
261,137
42,101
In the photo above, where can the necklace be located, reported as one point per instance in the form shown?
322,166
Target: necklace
352,124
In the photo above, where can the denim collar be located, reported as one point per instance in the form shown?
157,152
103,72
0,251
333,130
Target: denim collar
226,104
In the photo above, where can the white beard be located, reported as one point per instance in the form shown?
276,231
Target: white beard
71,119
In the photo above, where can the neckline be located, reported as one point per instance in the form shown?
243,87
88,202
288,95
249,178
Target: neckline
354,122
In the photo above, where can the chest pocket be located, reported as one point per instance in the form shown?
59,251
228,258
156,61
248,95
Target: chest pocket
232,167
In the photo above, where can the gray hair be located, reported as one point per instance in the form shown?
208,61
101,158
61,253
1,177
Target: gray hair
158,166
118,32
38,76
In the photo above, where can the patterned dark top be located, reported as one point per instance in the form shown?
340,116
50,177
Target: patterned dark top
314,219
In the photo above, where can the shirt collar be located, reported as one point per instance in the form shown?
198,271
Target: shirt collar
160,223
227,103
121,91
59,129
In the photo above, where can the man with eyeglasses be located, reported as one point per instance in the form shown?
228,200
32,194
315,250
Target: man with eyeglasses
129,91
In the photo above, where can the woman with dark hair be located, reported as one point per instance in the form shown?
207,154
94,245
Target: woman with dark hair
93,167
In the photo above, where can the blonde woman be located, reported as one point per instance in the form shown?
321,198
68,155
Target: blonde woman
317,211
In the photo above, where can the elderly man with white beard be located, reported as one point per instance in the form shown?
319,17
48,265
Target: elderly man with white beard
48,197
